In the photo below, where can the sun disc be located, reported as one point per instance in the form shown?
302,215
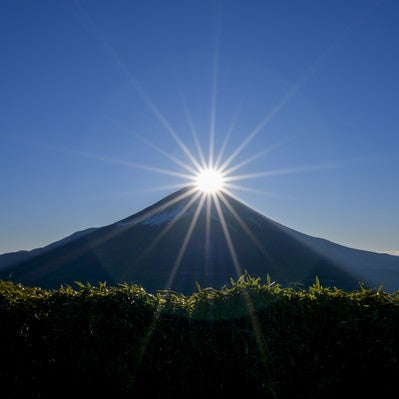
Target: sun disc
209,181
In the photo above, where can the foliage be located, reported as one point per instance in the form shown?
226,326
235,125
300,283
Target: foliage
249,336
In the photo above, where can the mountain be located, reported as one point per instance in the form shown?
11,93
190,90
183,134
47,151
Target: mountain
13,258
161,247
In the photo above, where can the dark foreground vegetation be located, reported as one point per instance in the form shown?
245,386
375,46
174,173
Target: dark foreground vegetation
252,339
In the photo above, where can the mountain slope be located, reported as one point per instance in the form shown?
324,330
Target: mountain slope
13,258
160,247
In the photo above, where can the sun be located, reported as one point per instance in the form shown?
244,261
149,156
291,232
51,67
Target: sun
209,181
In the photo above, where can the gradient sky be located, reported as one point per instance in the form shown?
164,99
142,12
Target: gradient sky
87,86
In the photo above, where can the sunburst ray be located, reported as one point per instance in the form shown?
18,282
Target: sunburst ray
285,171
169,156
170,225
193,132
227,236
246,228
250,159
214,83
227,136
252,312
207,234
185,242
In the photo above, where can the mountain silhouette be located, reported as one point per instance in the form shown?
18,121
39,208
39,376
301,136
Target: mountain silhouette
161,247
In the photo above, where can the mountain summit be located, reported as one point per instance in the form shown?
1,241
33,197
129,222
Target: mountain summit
189,237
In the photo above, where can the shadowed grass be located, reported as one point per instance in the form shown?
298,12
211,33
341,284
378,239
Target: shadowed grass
124,342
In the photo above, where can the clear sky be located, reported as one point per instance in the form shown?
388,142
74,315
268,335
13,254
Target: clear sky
88,88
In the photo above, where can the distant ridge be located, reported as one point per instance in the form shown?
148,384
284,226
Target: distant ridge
152,248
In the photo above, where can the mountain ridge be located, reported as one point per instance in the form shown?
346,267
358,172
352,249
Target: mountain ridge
161,247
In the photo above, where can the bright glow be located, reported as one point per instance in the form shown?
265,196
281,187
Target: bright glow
209,181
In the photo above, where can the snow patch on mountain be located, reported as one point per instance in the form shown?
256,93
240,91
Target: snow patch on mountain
167,215
160,216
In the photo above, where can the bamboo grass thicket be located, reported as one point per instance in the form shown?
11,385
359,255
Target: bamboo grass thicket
249,336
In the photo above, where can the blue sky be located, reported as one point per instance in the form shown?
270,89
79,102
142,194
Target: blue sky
88,86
